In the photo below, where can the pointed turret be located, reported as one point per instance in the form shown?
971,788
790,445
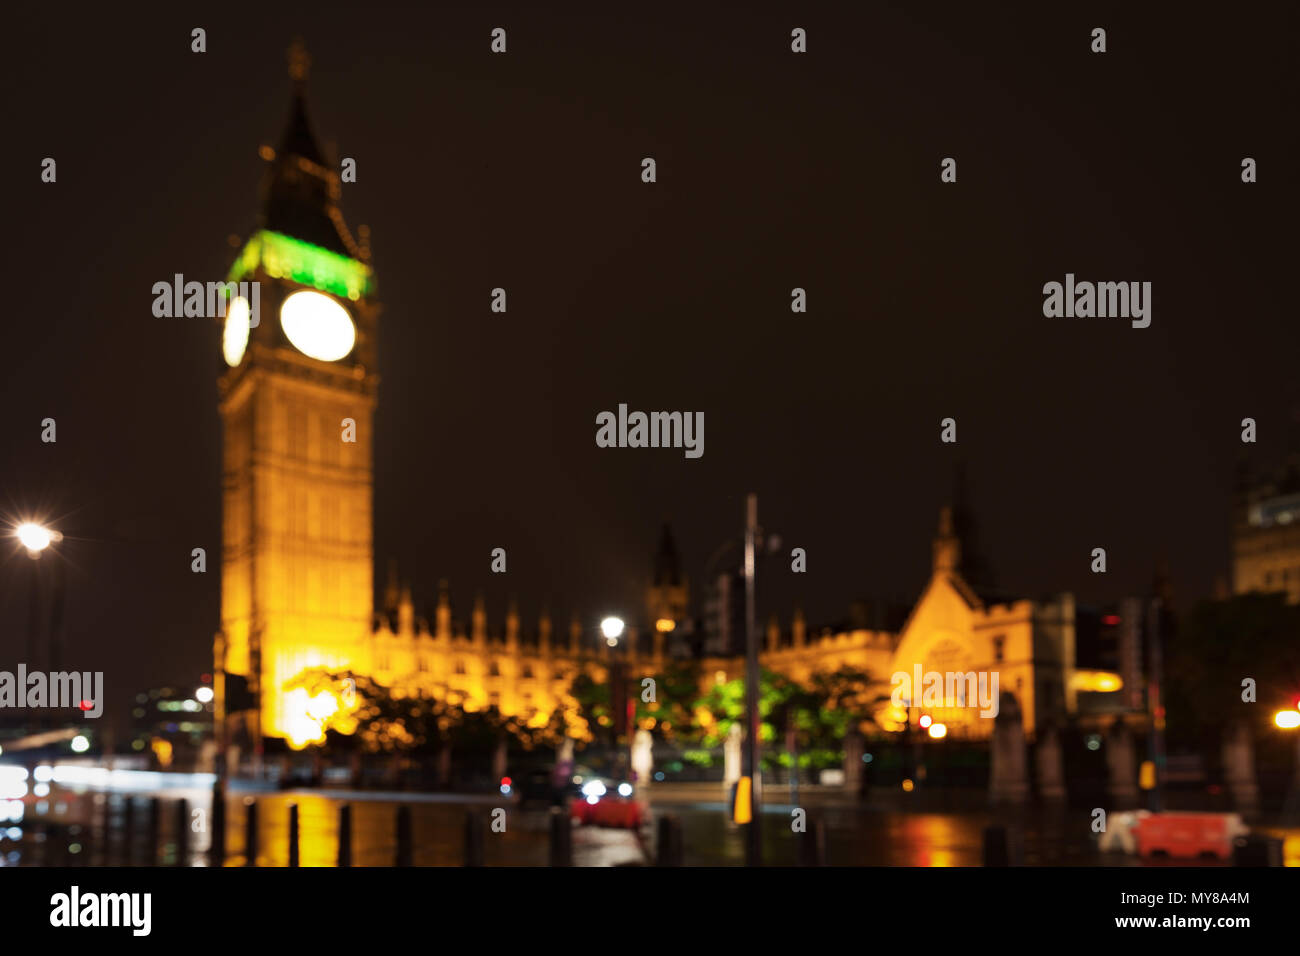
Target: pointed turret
442,622
544,631
478,621
947,547
512,626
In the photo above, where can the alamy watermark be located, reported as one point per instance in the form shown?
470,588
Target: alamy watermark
651,430
1084,300
37,689
946,689
205,300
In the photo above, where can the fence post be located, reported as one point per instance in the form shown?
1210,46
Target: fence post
217,846
1000,847
128,829
155,831
812,842
561,838
293,834
403,836
250,832
106,831
668,841
473,838
182,832
345,835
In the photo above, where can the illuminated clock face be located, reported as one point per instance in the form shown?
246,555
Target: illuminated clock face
318,326
234,337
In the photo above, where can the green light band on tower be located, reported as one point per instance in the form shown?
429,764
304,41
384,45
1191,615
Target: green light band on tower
284,257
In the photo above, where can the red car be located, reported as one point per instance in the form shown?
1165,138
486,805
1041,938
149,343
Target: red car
599,806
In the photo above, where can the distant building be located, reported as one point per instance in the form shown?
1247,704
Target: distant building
1266,533
668,597
954,628
521,672
173,723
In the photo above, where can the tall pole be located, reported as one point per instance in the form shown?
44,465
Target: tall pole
34,612
754,834
1156,704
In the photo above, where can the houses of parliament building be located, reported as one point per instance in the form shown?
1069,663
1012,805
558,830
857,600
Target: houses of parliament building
297,394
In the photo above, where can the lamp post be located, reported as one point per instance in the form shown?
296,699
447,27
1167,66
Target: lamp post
750,765
36,538
1290,720
612,629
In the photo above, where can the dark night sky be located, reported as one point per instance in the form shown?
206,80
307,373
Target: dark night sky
775,171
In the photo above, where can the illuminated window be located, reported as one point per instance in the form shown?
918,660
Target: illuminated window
460,667
493,670
998,643
528,671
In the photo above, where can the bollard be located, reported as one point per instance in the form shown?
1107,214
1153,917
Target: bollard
668,841
812,842
1000,847
345,835
182,832
403,836
250,832
217,844
561,838
128,830
65,845
155,831
473,838
1257,850
106,832
293,834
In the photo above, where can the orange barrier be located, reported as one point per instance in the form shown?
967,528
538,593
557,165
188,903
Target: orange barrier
1188,834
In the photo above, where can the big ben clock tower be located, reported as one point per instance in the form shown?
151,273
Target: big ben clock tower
297,395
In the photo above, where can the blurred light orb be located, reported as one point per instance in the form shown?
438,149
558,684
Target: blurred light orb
80,744
938,730
34,537
908,786
625,790
1287,719
612,628
926,720
204,695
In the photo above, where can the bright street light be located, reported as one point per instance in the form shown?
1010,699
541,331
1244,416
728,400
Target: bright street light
612,628
1287,719
35,537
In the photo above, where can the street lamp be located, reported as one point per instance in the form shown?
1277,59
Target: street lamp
36,537
612,628
1287,719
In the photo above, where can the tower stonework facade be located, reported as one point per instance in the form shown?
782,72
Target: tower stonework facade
297,397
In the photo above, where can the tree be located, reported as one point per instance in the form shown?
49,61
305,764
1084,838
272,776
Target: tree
1220,644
